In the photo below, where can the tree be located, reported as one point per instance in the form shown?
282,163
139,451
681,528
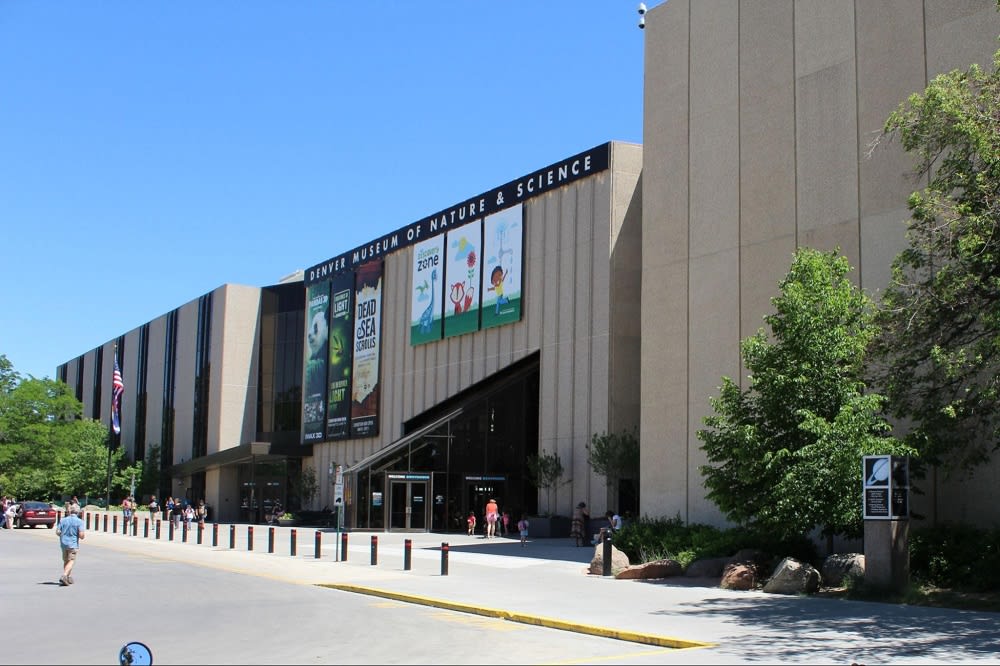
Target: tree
544,471
939,351
786,453
615,456
305,484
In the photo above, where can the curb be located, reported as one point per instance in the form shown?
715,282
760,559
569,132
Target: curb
524,618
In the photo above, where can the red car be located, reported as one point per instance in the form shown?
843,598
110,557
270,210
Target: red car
35,513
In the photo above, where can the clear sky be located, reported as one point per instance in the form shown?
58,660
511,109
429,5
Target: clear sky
152,151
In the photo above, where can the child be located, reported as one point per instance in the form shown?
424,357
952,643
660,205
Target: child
522,527
505,522
471,522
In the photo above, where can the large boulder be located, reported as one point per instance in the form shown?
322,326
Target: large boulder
793,577
841,567
708,568
619,561
739,576
656,569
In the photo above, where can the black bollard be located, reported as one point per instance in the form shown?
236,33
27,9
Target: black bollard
158,528
444,558
105,522
319,544
184,532
407,554
343,546
374,550
114,524
170,531
88,521
249,537
145,528
270,539
606,555
201,529
215,534
291,543
135,525
232,537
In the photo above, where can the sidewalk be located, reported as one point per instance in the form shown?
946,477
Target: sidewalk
546,583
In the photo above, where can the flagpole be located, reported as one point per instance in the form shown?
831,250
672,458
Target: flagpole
117,388
111,435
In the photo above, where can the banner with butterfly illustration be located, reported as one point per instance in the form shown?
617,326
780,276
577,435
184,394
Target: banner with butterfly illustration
462,279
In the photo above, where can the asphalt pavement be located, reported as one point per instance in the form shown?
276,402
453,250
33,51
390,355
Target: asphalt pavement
546,583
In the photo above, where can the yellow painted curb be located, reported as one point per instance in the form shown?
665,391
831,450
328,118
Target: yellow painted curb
536,620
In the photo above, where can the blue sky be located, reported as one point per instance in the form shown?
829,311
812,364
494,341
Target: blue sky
153,151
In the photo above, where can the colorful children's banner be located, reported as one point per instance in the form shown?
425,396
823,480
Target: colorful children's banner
462,279
428,288
314,361
503,240
367,342
338,408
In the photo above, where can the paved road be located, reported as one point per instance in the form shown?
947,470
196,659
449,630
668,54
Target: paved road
498,597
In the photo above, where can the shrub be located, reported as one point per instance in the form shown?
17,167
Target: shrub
956,556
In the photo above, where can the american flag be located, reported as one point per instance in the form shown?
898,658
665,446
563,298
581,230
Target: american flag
117,388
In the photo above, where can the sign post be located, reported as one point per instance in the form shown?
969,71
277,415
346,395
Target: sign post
338,498
886,512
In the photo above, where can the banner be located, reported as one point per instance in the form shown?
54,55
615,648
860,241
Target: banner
367,341
426,301
462,279
338,407
315,359
503,241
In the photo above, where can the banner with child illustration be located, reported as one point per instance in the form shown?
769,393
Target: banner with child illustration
503,240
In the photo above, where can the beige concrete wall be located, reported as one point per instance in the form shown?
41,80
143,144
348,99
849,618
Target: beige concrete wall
184,374
759,117
233,400
568,299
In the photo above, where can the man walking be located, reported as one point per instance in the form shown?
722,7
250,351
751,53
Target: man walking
70,531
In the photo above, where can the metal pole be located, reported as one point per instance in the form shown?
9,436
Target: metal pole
270,539
319,544
606,554
374,550
444,558
407,548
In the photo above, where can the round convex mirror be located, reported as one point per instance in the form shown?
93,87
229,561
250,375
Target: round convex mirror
135,654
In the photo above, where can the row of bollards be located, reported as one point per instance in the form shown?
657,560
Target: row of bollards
407,544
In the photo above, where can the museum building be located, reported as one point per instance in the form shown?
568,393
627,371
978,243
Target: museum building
417,374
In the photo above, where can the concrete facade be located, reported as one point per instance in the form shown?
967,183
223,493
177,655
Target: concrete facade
758,120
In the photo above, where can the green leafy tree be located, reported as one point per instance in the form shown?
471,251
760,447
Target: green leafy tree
940,316
545,470
615,456
786,453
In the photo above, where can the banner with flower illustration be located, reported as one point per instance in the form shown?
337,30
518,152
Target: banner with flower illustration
462,279
503,239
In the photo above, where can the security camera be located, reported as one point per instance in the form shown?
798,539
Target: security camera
642,22
642,8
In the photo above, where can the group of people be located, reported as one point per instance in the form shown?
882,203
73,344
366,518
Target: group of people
496,523
580,525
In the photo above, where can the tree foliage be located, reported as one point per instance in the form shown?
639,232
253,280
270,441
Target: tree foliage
940,316
545,470
47,448
786,452
615,456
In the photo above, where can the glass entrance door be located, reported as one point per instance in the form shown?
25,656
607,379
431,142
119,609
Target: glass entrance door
408,504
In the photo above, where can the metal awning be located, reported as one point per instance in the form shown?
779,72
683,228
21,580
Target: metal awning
405,440
249,452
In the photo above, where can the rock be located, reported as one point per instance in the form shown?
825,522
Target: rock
707,568
739,576
619,561
793,577
656,569
840,567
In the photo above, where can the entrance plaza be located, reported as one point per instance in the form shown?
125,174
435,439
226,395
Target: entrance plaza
677,620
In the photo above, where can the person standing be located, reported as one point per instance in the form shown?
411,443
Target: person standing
70,531
505,523
154,510
492,515
522,529
470,523
201,512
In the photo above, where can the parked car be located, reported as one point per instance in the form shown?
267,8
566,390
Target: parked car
35,513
